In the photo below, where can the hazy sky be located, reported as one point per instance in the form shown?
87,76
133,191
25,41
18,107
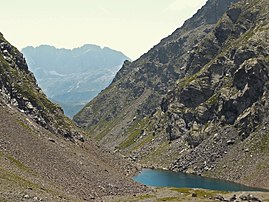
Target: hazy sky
130,26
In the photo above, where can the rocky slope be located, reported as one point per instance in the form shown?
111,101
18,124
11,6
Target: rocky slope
72,78
18,88
43,156
138,87
196,102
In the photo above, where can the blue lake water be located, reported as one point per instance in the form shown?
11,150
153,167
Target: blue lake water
162,178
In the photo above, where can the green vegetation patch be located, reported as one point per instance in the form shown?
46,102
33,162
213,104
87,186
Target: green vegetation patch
106,126
15,179
18,164
147,196
143,142
159,155
168,199
23,125
3,200
213,99
38,99
264,148
133,133
175,194
198,192
15,162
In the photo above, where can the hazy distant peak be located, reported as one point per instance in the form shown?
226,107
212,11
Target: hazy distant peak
88,47
73,76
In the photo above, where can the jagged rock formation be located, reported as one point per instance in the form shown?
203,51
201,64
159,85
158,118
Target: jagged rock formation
72,78
141,84
19,89
196,102
43,155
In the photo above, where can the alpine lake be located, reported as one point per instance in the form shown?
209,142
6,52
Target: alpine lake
163,178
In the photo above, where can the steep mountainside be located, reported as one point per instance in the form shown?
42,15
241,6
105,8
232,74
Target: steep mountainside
18,88
138,86
196,102
43,156
72,78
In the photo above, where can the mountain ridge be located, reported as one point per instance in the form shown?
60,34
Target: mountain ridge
192,102
168,73
72,77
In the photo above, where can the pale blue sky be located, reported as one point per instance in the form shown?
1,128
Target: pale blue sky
130,26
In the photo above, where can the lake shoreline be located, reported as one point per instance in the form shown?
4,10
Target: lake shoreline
156,171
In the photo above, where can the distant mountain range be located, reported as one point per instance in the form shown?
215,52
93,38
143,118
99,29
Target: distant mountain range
73,77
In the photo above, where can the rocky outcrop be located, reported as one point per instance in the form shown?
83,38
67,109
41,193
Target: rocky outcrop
18,88
222,104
